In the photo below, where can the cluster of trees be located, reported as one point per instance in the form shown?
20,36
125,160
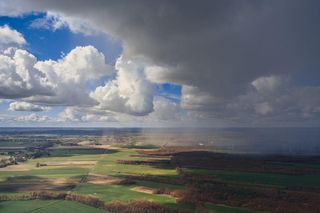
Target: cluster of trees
14,158
7,162
166,191
88,200
38,164
22,156
245,163
43,195
200,190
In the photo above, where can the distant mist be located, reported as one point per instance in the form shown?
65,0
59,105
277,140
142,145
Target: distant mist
283,141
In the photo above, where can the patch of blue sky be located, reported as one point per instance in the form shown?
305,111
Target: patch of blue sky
302,80
169,91
110,47
51,44
4,108
42,43
56,110
47,44
4,105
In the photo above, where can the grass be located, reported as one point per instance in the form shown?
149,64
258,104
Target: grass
52,206
122,193
107,165
156,185
47,172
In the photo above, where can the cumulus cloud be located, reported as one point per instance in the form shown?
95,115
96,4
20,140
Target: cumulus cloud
32,118
97,118
129,93
76,114
70,74
268,84
25,106
19,78
61,82
54,21
165,110
78,66
10,37
69,114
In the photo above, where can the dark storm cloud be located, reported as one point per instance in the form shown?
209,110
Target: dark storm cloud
219,47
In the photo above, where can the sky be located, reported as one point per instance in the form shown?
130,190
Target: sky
140,63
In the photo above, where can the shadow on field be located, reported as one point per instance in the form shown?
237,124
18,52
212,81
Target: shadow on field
257,182
79,151
31,183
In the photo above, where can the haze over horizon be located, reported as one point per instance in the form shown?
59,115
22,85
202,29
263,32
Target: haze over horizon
159,63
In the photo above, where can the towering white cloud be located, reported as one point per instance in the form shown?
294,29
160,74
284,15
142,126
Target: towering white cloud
61,82
71,74
69,114
19,78
129,93
10,37
165,110
79,66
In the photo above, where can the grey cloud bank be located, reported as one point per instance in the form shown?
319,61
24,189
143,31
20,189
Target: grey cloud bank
238,60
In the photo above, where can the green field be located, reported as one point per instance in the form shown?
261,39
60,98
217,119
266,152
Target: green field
105,164
52,206
121,193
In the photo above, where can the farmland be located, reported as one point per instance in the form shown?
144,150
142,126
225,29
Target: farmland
101,174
